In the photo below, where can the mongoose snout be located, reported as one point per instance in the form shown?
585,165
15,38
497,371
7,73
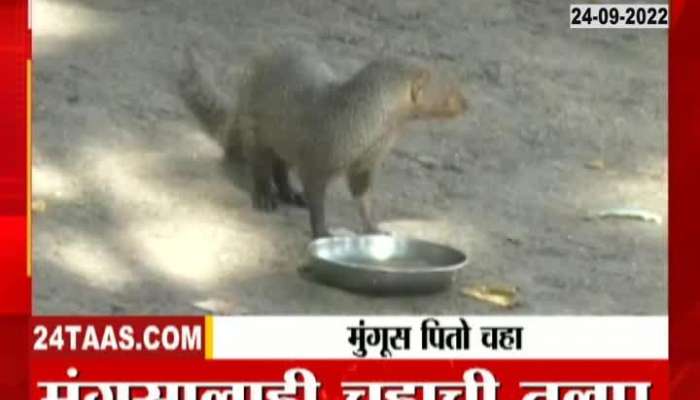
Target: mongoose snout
436,97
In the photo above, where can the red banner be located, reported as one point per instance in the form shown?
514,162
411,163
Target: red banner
512,377
87,351
684,168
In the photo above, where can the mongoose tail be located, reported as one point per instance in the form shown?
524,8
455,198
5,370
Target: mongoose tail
213,108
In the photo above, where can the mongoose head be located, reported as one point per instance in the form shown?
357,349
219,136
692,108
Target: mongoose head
432,97
407,90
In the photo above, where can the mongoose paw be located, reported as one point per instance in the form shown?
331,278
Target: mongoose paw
321,233
264,202
293,198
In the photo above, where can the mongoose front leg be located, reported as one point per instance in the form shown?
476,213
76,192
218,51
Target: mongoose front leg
286,192
315,192
359,183
232,154
262,165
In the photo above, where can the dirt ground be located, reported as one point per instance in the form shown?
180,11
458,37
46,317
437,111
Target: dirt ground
137,214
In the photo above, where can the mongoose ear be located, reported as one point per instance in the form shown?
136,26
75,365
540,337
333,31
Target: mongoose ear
418,84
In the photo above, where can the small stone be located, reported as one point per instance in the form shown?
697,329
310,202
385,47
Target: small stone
427,162
595,164
72,98
513,240
454,167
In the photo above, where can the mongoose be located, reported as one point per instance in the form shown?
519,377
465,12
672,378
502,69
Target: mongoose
296,112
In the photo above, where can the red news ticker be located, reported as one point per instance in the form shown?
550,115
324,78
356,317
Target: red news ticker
350,379
129,336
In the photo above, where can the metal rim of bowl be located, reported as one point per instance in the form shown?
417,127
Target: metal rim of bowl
415,270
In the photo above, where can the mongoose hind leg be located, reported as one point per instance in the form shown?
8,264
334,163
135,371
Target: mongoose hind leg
315,192
287,193
262,167
232,154
359,183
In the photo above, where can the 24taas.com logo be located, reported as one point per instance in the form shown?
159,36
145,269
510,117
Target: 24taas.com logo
117,338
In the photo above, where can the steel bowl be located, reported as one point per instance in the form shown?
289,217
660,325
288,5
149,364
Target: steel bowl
383,264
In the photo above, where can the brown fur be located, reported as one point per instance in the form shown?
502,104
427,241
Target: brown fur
294,112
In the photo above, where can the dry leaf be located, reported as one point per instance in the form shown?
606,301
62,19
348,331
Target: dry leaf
628,213
38,206
595,164
500,295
